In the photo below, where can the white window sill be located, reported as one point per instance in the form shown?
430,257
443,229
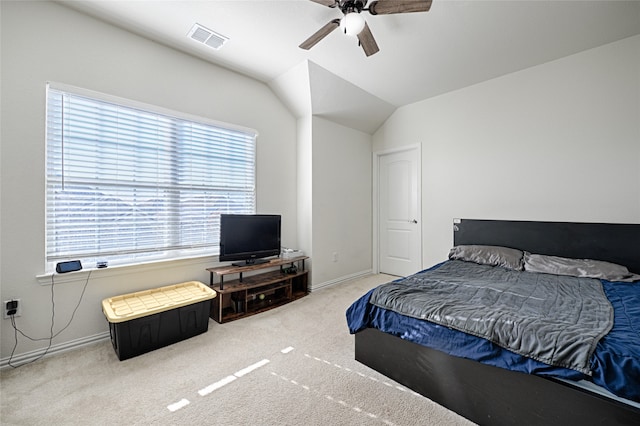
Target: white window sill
117,270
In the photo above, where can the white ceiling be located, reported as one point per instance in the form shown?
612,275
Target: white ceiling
454,45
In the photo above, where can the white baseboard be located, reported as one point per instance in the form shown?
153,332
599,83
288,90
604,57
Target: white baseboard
340,280
27,357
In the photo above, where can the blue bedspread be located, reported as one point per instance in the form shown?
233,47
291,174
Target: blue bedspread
615,363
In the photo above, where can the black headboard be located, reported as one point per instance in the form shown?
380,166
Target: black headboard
612,242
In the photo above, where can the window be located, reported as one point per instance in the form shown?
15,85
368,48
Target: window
129,183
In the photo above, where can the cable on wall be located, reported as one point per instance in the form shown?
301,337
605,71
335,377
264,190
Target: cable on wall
51,334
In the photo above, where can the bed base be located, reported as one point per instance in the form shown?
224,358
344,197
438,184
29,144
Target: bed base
485,394
490,395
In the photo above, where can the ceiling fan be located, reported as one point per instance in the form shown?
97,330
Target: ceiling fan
354,24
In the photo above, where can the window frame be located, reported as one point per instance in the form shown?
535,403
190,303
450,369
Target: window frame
170,253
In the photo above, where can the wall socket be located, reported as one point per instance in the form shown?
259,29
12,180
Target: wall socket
10,305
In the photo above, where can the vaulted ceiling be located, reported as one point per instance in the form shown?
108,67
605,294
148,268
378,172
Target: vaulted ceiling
454,45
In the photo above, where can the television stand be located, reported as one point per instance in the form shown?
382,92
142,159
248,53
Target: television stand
253,294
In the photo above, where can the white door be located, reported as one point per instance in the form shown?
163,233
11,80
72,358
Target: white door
399,213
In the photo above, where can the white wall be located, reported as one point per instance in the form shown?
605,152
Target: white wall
305,188
557,142
341,202
44,41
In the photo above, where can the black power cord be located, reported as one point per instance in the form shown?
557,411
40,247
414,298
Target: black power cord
16,330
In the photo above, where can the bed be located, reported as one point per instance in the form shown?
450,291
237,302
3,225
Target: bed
486,391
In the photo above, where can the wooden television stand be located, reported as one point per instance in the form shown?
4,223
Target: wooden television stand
249,295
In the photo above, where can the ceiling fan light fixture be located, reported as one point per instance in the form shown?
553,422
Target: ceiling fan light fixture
352,24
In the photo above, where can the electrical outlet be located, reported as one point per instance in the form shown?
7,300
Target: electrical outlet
13,308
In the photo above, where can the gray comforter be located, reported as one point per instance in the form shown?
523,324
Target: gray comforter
554,319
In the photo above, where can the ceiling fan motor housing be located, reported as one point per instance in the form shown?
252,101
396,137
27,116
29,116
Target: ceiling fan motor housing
349,6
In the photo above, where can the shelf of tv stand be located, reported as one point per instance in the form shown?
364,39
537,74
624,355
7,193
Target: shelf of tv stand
249,295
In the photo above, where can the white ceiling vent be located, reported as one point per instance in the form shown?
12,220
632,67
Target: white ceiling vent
206,36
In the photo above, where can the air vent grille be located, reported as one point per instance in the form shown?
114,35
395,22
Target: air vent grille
206,36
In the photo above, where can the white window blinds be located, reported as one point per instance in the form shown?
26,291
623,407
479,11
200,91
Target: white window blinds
128,185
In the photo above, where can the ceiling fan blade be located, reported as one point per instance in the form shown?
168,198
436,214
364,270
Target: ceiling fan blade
388,7
320,34
367,41
329,3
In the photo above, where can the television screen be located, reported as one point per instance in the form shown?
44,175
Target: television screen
249,237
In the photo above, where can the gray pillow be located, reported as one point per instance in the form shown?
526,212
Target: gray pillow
489,255
587,268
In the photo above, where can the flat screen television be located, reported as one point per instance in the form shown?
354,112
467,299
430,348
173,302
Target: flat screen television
249,238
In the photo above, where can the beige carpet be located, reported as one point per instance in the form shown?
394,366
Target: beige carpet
293,365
